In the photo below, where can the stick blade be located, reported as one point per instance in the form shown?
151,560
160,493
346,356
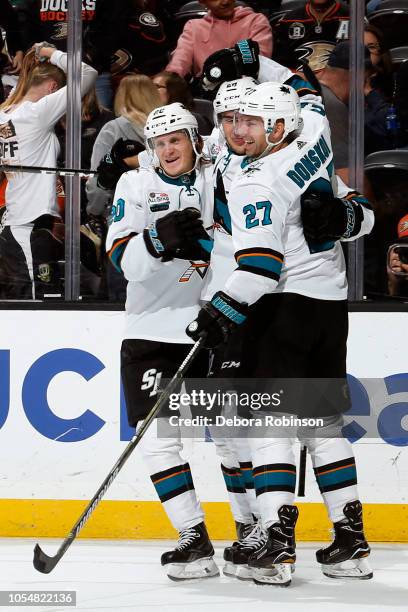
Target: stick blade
42,562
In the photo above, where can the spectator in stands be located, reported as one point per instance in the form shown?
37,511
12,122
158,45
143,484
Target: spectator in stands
401,97
223,26
135,98
141,41
27,137
9,23
397,264
310,33
335,82
380,59
372,5
48,21
94,116
173,88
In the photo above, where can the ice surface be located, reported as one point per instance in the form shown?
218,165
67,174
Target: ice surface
119,576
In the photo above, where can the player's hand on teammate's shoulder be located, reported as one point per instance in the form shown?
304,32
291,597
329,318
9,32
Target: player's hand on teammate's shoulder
116,162
325,217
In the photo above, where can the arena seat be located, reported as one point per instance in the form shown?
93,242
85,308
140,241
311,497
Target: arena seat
205,108
287,5
398,55
391,17
195,10
395,158
387,172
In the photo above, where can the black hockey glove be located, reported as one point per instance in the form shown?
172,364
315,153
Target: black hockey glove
112,166
179,234
327,218
228,64
217,319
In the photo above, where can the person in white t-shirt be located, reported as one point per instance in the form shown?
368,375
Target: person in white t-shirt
27,119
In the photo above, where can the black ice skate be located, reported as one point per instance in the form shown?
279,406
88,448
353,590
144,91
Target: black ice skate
252,538
346,557
272,564
192,557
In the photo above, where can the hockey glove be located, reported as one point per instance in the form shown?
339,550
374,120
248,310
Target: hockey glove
179,234
217,319
326,218
112,166
228,64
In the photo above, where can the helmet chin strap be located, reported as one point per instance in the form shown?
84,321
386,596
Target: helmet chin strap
270,145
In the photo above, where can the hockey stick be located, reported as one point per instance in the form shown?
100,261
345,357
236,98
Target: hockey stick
45,170
302,471
45,564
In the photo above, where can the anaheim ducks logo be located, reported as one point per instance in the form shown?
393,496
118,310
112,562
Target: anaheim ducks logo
199,267
315,53
7,130
61,31
120,61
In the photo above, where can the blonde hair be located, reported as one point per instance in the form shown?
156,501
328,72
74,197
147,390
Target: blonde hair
33,74
136,97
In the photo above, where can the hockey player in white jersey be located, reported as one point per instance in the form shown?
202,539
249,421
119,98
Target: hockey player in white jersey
288,295
236,465
156,238
27,119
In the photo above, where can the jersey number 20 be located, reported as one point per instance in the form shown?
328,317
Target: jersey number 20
260,209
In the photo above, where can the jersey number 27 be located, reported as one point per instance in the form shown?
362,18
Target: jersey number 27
260,209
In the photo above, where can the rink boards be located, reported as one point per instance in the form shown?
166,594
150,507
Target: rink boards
63,425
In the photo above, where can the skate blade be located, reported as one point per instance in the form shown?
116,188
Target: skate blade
276,575
242,572
356,569
201,568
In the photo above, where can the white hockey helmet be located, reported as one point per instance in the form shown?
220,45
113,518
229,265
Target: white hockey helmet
273,101
229,95
167,119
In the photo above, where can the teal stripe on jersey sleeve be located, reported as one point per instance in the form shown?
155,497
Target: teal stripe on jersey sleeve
263,262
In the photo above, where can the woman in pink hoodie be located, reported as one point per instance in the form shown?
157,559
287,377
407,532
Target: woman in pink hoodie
223,27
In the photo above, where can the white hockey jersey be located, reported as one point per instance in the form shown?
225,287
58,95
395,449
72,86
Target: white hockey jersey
27,137
222,262
264,203
162,298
